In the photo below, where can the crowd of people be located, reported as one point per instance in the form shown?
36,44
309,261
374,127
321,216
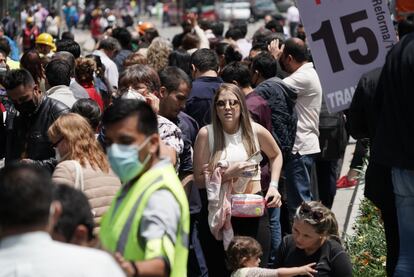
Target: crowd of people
210,155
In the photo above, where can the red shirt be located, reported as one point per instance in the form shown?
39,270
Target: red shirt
95,27
94,95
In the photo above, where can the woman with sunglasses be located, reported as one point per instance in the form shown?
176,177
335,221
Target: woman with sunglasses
82,162
315,239
234,137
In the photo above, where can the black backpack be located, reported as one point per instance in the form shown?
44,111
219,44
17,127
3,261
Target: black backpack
333,137
281,99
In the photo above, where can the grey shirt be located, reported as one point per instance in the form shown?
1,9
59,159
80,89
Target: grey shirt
161,217
78,91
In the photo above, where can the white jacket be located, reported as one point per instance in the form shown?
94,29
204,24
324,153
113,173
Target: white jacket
63,94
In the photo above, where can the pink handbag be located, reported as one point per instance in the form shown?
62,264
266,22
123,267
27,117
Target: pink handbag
247,205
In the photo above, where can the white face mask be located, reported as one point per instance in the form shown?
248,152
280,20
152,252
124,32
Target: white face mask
133,94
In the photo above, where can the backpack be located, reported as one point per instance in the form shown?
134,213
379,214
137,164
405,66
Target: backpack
333,137
281,99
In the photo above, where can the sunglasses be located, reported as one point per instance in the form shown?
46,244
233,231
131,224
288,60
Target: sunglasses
232,103
306,210
54,145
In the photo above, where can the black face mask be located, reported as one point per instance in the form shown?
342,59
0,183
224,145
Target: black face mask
27,108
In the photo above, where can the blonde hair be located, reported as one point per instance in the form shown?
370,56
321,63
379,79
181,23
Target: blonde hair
158,53
82,144
247,133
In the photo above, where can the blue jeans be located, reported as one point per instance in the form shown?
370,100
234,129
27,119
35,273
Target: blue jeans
403,182
275,233
298,181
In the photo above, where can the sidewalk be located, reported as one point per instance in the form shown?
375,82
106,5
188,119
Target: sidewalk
347,200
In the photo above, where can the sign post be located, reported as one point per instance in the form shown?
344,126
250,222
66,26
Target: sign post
347,38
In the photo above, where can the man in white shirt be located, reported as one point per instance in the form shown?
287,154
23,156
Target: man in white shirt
57,82
107,50
293,18
27,215
243,44
304,78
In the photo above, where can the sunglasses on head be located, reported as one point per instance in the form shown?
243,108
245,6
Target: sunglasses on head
232,103
306,210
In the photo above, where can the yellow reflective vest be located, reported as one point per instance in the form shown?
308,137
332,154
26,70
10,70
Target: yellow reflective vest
120,225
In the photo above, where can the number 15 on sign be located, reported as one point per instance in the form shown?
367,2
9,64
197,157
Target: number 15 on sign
347,38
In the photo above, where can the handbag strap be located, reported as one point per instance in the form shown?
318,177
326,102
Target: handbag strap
79,184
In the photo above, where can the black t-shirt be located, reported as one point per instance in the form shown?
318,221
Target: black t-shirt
331,258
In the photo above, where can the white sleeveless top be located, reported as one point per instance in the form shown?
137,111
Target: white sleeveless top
234,150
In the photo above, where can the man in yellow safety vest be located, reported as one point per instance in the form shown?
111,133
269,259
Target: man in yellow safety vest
147,224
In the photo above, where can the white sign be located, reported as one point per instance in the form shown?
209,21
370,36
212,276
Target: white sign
347,38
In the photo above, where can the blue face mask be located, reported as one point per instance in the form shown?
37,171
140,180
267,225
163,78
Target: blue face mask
124,160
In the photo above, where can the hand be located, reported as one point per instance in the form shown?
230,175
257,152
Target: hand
276,202
275,50
27,161
153,101
308,269
124,264
192,18
236,170
206,169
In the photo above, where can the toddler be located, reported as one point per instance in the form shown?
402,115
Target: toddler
243,255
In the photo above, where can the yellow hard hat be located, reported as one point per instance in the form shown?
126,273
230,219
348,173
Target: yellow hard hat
47,39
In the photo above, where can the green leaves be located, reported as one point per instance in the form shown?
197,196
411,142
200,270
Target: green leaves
367,247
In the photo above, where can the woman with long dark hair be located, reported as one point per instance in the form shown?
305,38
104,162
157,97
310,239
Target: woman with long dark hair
32,62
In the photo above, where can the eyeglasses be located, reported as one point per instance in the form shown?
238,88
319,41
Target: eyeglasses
232,103
54,145
306,210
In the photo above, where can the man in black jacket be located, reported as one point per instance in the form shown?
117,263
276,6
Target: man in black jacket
392,145
281,99
24,134
361,124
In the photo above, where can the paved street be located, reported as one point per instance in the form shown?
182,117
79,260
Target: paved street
347,200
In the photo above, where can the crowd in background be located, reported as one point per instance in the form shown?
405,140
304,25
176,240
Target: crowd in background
209,155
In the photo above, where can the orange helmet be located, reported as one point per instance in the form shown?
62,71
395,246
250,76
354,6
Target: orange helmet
143,26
